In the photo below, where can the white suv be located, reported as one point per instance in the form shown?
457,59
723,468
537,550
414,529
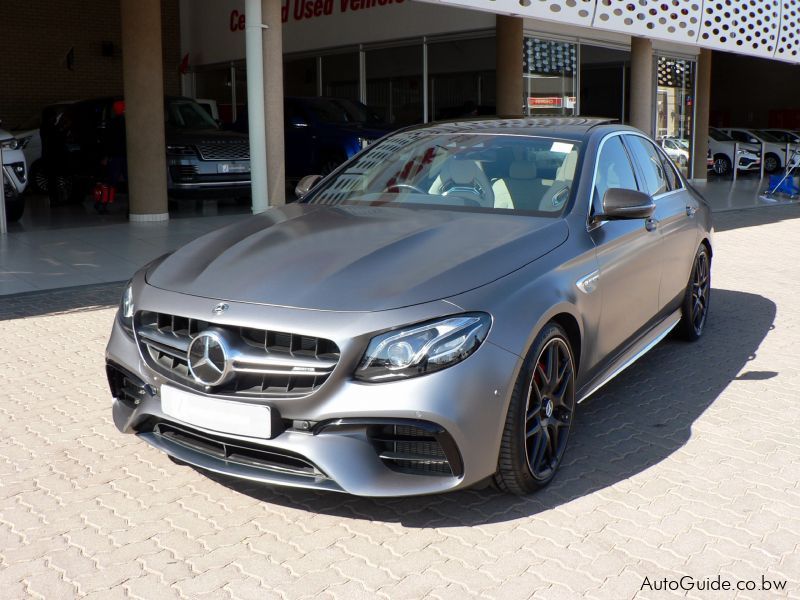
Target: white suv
14,176
721,146
774,149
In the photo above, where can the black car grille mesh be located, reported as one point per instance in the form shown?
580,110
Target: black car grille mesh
267,364
409,449
224,151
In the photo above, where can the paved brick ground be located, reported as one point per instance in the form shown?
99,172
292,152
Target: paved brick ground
688,464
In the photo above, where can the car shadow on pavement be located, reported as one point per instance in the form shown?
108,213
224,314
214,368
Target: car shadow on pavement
633,423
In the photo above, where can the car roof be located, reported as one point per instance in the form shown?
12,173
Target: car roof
559,127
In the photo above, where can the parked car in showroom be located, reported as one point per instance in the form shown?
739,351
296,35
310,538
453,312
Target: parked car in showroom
722,147
677,149
14,176
774,149
426,318
321,133
30,142
84,142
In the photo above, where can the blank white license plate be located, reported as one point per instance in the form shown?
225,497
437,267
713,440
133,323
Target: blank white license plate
233,168
224,416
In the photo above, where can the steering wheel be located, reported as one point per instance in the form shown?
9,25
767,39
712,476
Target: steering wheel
404,186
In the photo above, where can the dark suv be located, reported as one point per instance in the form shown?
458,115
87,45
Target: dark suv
84,142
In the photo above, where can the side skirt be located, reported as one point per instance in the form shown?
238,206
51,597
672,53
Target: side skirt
634,353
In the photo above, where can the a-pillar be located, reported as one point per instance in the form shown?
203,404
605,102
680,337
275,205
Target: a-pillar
143,80
642,84
702,106
509,39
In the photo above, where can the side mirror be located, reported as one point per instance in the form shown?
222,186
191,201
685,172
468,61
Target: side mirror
625,204
305,184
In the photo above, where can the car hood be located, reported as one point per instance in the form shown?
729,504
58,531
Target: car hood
356,258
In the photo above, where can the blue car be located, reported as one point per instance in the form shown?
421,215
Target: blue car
321,133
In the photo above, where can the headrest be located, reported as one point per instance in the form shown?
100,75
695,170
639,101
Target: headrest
567,169
463,171
522,170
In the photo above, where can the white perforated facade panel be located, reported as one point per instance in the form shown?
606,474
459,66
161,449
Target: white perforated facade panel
677,20
765,28
744,26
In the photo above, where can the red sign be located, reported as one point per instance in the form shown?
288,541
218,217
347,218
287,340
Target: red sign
545,102
300,10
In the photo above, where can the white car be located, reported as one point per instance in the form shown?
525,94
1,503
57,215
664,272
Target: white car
14,176
677,150
30,142
774,149
722,145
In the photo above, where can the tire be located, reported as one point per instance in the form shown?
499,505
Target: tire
329,165
61,190
772,164
722,165
540,415
38,178
697,298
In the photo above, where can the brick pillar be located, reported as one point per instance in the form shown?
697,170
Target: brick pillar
143,79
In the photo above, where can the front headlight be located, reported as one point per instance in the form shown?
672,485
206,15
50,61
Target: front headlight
179,150
126,308
423,348
10,144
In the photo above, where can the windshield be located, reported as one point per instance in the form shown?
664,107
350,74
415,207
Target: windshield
187,114
339,110
767,136
717,135
463,171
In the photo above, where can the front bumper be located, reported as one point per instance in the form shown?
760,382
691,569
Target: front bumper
194,178
331,438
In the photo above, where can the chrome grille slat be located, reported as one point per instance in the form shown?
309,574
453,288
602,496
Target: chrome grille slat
265,363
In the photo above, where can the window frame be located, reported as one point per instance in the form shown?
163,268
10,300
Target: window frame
636,176
665,161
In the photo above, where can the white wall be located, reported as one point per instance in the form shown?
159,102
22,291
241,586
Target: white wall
213,34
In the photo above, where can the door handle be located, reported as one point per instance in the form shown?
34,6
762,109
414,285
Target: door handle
690,211
651,224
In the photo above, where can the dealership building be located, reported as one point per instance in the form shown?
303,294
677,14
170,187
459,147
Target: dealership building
664,66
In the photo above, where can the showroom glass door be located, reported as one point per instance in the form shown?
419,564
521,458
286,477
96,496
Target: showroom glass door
549,71
675,109
461,78
394,83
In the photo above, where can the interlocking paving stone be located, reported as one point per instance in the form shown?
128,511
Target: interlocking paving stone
688,463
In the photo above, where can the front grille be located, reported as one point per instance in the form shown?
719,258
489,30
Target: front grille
409,449
236,150
250,455
265,363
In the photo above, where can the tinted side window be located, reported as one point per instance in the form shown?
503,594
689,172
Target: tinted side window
614,169
740,136
646,155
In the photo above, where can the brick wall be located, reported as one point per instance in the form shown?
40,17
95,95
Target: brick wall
36,36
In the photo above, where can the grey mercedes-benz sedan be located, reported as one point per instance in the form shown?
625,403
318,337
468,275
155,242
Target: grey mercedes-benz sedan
426,318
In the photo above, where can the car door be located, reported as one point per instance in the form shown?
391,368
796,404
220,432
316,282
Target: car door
673,218
627,256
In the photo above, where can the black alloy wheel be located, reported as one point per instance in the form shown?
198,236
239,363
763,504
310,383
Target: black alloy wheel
722,165
694,312
771,163
540,415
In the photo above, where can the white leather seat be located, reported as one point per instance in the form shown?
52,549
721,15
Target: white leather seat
521,189
465,179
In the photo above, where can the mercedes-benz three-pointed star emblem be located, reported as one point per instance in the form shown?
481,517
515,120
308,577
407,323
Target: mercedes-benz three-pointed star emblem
208,358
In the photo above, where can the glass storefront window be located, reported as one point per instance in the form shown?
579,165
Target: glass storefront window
461,78
394,84
605,82
300,77
550,73
340,75
675,108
